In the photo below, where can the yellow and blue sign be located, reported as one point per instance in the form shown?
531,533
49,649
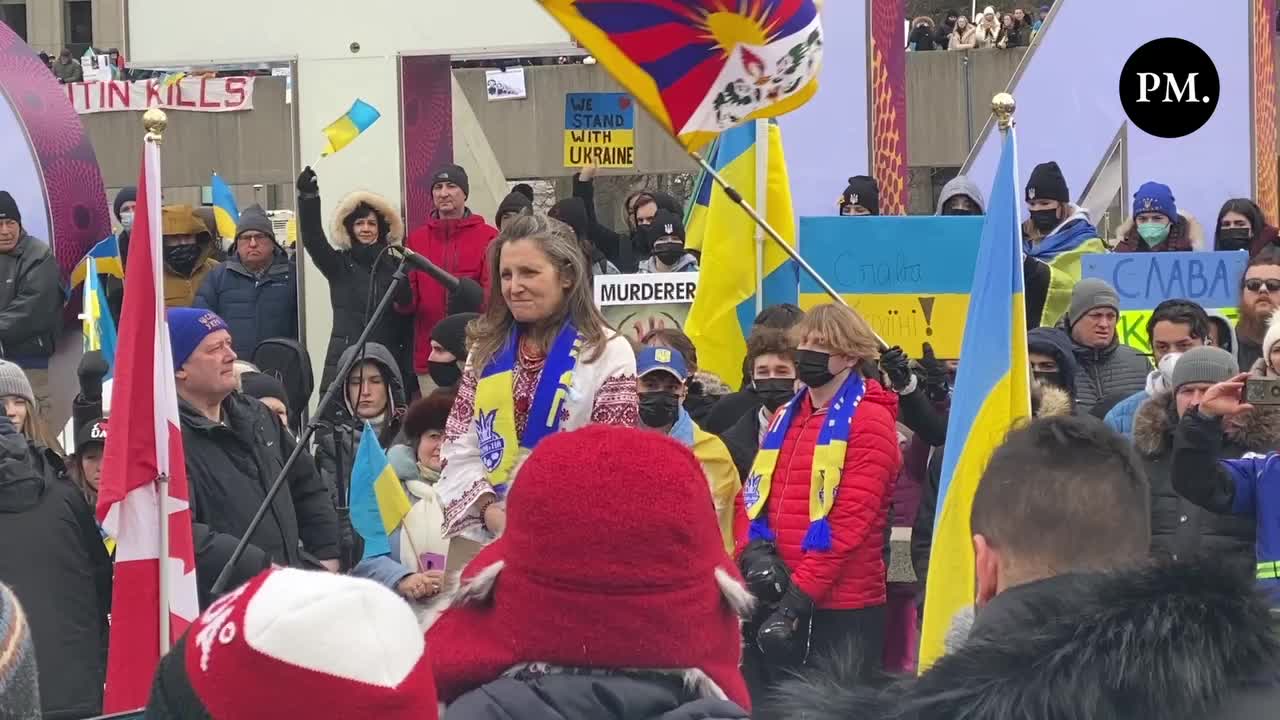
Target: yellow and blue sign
1144,280
599,129
910,277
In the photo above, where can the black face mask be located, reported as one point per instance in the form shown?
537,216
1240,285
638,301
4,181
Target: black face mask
669,257
182,258
366,254
812,368
659,409
1235,239
775,392
444,374
1044,220
960,211
1049,378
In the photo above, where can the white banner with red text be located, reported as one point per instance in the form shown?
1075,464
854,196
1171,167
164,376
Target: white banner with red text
193,94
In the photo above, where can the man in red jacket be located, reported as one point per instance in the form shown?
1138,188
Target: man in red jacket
455,239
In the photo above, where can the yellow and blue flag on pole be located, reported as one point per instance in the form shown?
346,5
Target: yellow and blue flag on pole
224,207
99,329
106,257
725,305
992,394
703,66
378,502
344,130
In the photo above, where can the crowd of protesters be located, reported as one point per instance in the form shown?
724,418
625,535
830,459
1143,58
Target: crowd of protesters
674,548
990,28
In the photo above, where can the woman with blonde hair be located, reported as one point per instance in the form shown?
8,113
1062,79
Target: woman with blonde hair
542,360
21,407
818,491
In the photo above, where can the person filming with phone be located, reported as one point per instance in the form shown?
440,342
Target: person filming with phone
1246,486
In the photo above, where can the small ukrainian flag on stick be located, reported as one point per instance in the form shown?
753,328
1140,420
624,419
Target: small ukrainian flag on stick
344,130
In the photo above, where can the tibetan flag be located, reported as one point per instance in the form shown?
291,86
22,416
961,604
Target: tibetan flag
992,395
99,328
348,127
725,305
703,66
224,207
106,255
144,476
378,502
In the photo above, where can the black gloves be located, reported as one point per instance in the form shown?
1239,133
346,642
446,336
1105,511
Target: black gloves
895,363
935,375
93,367
307,182
766,576
779,638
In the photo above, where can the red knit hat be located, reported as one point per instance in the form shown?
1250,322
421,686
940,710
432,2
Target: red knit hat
294,643
612,558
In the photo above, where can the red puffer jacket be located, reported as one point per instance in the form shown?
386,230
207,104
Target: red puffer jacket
851,574
459,247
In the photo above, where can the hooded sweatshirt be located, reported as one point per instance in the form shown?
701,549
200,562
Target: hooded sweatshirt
1056,344
961,185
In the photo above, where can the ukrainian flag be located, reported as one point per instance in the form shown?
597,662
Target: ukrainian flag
992,394
99,329
725,305
224,207
106,257
344,130
378,502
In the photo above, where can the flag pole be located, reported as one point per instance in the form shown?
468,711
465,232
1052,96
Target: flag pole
155,121
768,230
762,202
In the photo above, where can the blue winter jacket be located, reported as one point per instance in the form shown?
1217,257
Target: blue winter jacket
1120,417
256,307
1248,486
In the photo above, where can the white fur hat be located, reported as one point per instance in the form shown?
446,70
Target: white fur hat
1271,338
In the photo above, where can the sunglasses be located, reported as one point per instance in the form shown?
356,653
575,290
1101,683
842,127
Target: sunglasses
1256,285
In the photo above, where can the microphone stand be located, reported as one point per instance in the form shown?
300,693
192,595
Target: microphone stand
339,382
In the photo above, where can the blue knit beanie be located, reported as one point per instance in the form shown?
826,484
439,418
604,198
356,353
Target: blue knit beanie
1155,197
188,327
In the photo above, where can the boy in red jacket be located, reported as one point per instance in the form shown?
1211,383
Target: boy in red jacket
456,240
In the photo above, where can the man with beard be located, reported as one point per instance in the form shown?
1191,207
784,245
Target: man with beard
1259,292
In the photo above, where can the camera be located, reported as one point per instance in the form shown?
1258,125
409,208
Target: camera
1262,391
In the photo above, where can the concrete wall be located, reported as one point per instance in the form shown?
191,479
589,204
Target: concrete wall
527,135
46,27
949,99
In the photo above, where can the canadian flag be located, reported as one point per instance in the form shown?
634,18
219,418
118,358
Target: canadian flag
143,470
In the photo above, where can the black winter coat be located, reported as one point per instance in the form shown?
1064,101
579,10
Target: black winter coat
743,441
30,300
230,466
255,308
52,555
1184,641
349,281
729,409
601,696
1180,529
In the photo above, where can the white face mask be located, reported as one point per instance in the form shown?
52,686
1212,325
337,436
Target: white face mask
126,220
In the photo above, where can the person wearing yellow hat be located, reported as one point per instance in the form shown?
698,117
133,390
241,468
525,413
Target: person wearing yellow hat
188,254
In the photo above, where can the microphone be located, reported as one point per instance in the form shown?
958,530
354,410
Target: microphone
421,264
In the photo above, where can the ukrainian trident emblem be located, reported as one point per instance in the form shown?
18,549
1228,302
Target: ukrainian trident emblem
751,490
492,445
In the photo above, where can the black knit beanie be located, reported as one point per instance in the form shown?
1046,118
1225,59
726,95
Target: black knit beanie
1048,183
864,191
451,333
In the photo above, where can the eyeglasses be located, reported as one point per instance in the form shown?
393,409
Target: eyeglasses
254,237
1256,285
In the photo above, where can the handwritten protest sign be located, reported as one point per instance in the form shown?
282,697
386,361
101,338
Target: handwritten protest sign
195,94
600,129
909,277
637,304
1144,280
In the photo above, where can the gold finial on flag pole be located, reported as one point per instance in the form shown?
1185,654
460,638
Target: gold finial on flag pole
155,121
1003,105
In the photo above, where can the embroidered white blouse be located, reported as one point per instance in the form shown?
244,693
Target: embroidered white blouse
604,391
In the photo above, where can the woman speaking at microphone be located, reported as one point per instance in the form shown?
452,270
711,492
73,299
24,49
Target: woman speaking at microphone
542,359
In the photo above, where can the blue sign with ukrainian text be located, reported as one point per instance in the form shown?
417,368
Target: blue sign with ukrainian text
1144,280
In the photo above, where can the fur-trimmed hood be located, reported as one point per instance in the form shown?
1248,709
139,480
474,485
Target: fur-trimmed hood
1054,401
338,232
1167,641
1188,232
1157,417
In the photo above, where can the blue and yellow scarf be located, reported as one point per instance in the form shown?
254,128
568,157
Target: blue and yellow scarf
495,417
827,465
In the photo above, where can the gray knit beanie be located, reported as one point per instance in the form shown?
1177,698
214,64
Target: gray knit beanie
1088,294
14,382
19,689
1204,365
255,218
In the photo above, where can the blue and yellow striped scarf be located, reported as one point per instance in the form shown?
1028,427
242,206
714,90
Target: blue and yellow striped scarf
495,416
827,465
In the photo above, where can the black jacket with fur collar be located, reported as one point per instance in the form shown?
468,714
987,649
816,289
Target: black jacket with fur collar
1179,528
1177,641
